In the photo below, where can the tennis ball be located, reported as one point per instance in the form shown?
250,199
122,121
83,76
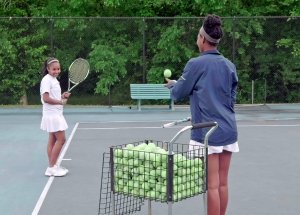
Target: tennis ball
145,186
118,153
152,194
197,161
129,146
167,73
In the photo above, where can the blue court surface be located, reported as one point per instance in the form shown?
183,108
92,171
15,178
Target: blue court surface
264,175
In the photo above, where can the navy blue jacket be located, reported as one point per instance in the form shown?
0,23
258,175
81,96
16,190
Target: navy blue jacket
210,81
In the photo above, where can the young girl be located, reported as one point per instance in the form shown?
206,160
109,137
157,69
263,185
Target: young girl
53,120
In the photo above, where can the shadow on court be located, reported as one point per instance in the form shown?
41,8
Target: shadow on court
263,177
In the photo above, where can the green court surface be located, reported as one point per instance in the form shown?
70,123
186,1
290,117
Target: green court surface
264,175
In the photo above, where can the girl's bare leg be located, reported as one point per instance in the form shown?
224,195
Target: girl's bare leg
213,198
51,143
60,140
224,164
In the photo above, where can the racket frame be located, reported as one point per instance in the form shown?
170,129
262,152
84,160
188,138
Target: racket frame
70,81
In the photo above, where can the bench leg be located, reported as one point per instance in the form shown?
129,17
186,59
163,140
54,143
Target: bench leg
172,105
139,104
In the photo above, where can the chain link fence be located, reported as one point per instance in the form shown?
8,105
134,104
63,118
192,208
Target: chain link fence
265,50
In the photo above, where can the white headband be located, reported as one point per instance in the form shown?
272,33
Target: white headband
52,61
209,38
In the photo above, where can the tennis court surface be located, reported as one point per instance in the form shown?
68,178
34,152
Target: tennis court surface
264,175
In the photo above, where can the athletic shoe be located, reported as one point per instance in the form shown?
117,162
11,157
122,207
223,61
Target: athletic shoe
55,171
64,168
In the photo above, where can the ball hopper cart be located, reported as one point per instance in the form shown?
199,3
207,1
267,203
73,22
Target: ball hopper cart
166,172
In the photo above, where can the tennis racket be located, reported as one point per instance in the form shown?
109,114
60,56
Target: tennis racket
78,71
187,119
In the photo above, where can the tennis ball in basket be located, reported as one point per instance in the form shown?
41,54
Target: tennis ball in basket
129,146
118,152
197,162
164,174
145,186
152,194
151,147
142,146
167,73
177,196
181,172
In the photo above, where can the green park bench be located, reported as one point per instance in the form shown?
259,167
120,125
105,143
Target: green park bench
150,91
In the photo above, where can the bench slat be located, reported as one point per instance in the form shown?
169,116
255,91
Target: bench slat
149,91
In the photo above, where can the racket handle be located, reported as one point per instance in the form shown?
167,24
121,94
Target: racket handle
167,125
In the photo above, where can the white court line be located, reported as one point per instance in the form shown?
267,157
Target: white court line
274,125
120,128
130,121
117,128
51,179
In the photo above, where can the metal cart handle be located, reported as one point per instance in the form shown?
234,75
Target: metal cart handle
213,126
204,125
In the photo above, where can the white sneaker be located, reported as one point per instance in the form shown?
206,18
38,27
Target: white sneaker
55,171
64,168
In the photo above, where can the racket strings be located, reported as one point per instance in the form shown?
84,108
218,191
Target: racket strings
78,71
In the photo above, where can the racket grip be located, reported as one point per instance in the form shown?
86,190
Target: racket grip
176,122
168,125
65,95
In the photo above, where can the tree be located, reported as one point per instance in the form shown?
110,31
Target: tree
124,50
21,57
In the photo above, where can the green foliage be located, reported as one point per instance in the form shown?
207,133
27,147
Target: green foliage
167,54
111,58
167,8
290,43
109,64
123,51
20,58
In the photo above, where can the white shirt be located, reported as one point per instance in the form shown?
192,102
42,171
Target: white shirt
50,84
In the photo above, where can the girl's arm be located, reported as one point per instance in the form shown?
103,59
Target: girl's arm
47,99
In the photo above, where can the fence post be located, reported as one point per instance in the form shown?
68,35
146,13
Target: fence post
144,51
265,91
233,39
252,92
51,36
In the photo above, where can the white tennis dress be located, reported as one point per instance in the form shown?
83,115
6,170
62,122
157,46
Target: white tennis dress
53,119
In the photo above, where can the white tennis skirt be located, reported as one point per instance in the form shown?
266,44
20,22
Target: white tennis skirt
53,122
234,147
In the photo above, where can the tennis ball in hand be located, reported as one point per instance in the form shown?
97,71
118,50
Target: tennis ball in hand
167,73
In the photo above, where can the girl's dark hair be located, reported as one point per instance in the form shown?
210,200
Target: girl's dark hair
212,26
46,64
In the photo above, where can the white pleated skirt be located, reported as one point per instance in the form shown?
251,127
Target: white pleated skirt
53,122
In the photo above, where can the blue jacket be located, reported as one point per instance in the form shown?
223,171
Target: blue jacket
210,81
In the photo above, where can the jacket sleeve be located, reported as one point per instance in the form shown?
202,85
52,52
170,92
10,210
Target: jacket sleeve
185,84
234,87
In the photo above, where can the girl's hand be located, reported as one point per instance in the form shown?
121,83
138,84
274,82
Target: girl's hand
65,95
170,82
64,101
